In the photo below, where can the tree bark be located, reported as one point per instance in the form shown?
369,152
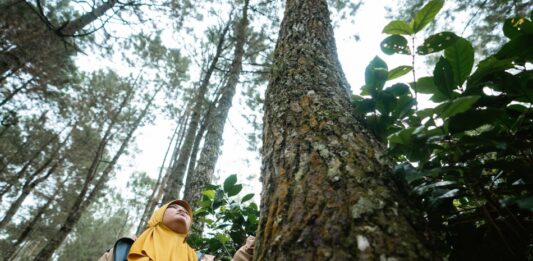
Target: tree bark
203,173
156,196
327,193
173,189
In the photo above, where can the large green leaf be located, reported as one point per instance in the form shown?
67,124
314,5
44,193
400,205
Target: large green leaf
488,67
402,137
376,74
426,85
399,72
472,119
443,77
461,57
247,197
230,182
395,44
456,106
426,15
398,27
518,47
516,26
210,194
437,42
234,190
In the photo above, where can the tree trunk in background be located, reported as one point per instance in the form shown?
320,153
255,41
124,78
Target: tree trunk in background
203,173
17,58
86,197
28,229
88,18
155,197
173,189
27,188
327,193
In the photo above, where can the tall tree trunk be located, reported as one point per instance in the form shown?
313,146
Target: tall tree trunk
203,173
10,253
27,188
153,200
326,192
88,18
83,201
173,189
16,58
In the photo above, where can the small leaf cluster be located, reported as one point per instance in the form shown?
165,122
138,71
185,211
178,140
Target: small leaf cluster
228,218
469,158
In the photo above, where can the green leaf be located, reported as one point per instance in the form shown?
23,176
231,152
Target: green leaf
376,74
473,119
443,77
456,106
399,72
230,182
426,15
234,190
247,197
437,42
365,106
461,57
209,194
402,137
219,199
398,27
395,44
398,89
425,85
518,47
487,67
516,26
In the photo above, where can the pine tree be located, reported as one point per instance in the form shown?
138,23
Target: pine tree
326,192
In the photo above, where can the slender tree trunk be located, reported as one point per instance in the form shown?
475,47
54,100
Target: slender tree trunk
152,201
15,179
27,188
16,58
8,97
173,189
88,18
326,192
28,229
203,173
84,200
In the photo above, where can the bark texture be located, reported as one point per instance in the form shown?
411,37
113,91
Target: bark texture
326,192
203,173
178,170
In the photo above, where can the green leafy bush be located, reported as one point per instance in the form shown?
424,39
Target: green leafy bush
469,159
228,218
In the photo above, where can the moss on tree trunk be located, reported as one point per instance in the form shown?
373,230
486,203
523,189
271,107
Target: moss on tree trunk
327,193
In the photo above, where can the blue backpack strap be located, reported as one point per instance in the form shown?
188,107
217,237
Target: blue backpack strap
199,255
122,248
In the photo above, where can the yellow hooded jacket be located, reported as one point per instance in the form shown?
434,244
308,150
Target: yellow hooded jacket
160,243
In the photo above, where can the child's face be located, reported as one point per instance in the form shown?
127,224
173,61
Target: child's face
177,218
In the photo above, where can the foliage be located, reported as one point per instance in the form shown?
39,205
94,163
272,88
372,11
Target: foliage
228,218
481,18
468,159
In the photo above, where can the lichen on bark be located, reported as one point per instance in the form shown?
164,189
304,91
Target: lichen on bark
326,193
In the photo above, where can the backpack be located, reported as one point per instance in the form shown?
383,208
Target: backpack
120,251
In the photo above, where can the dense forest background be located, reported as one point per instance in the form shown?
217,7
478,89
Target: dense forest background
79,81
